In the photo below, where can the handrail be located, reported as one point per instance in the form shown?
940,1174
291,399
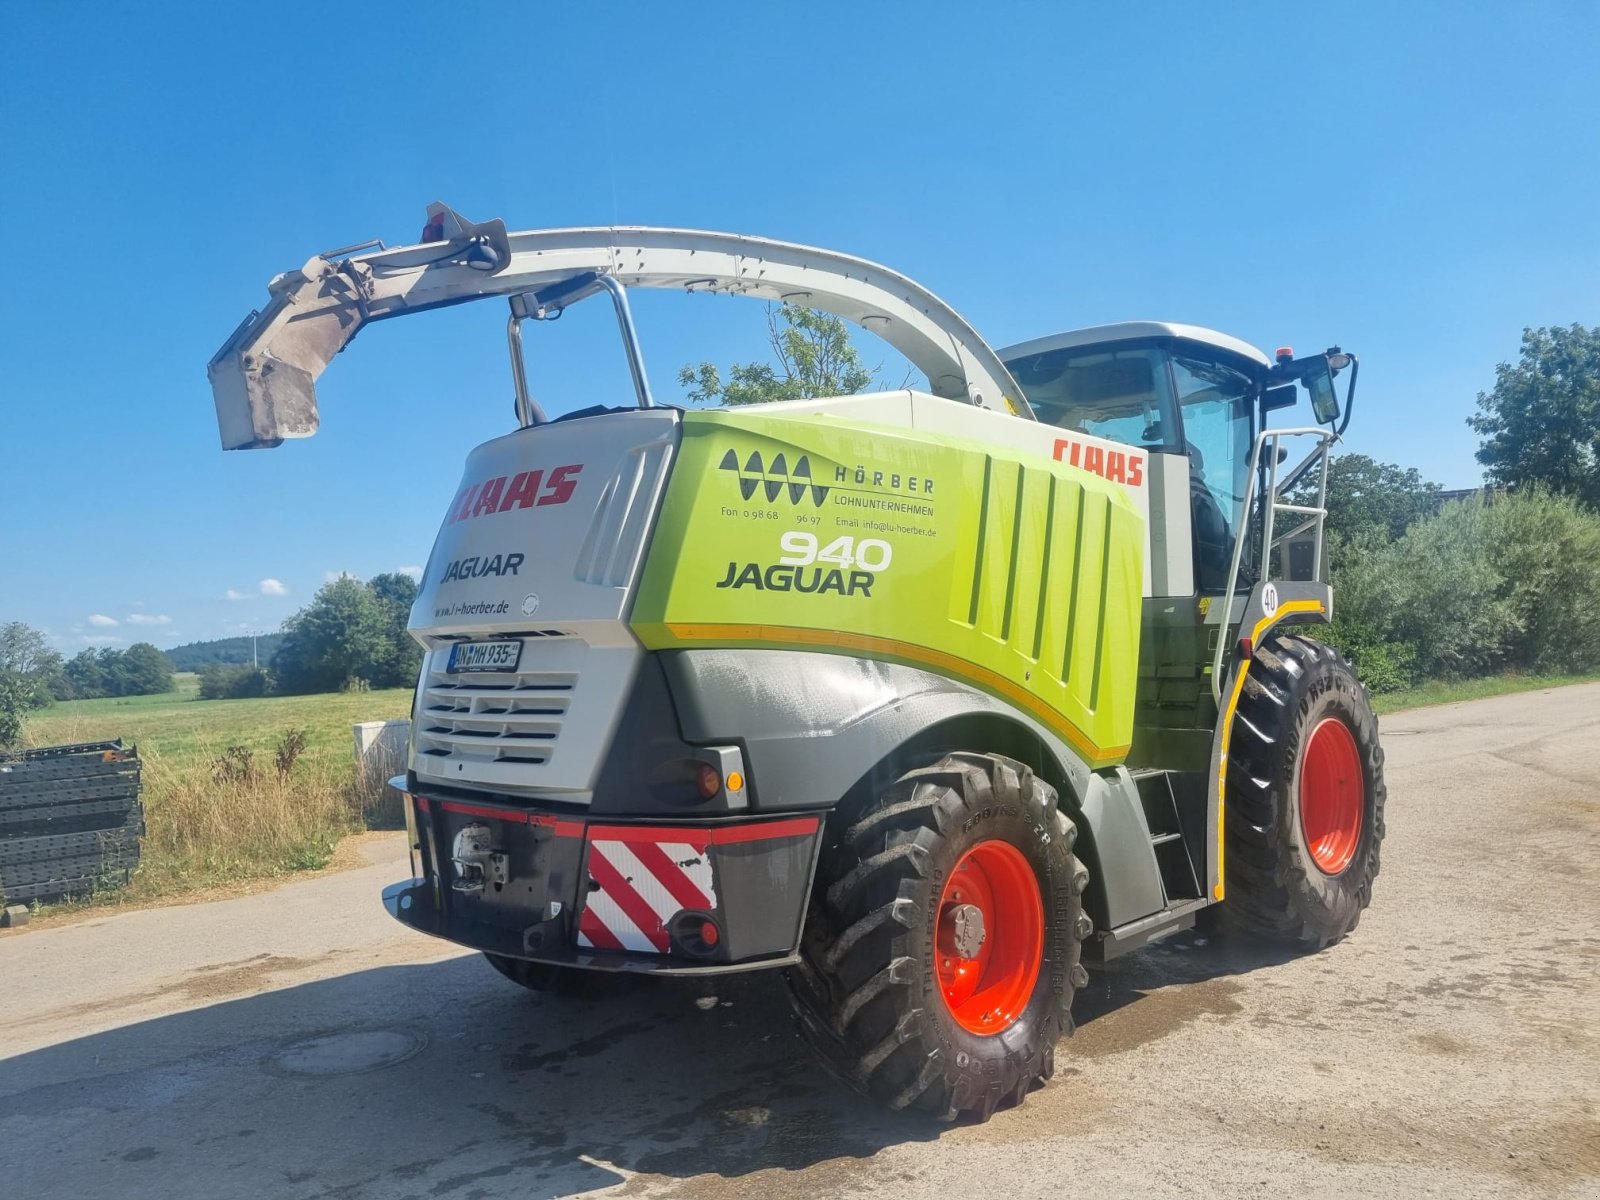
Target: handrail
630,339
1318,513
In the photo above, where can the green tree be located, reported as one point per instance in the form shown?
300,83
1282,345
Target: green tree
1540,423
86,672
1476,588
332,643
815,357
400,658
14,708
1366,495
1546,549
231,681
144,671
30,677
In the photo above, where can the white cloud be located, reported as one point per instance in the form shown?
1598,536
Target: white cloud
139,618
267,587
414,572
94,639
101,621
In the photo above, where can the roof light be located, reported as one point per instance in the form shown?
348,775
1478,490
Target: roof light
1284,353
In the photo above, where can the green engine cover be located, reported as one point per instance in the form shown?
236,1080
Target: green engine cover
1014,573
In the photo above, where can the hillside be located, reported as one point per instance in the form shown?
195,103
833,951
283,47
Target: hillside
193,655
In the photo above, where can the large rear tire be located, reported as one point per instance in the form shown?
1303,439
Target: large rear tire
1305,797
941,950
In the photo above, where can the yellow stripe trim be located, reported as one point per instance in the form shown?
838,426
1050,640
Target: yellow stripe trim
1287,608
786,636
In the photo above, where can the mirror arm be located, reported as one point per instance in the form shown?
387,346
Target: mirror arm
1349,396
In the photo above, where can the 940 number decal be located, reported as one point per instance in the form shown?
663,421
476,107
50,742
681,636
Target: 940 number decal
843,567
801,549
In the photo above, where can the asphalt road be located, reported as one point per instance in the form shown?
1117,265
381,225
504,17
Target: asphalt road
1449,1047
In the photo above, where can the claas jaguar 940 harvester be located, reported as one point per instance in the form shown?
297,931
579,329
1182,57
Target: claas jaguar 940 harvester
924,697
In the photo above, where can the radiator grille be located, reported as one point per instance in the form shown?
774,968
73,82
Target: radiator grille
491,716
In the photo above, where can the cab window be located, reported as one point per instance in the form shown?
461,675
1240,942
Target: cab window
1216,405
1124,395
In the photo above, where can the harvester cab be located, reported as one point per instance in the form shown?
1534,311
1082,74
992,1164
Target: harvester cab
920,696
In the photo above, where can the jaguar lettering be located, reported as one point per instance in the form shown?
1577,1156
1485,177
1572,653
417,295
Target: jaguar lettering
816,580
481,566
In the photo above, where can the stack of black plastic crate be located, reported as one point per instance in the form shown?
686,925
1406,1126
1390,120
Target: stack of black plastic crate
70,820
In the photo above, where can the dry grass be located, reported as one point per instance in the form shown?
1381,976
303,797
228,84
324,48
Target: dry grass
237,790
231,818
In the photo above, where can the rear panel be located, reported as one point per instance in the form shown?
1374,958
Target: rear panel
542,546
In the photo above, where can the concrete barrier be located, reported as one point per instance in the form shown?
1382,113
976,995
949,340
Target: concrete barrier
380,755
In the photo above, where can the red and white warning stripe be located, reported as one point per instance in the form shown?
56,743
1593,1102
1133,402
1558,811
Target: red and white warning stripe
646,877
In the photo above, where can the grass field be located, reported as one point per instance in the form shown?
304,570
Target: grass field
218,809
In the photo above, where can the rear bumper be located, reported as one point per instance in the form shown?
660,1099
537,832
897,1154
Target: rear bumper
678,897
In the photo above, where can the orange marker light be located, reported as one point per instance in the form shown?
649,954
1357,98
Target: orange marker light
735,781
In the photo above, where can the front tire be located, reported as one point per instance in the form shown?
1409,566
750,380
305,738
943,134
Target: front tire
941,950
1305,797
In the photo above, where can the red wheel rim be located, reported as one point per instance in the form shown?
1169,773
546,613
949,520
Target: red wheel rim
1332,796
986,984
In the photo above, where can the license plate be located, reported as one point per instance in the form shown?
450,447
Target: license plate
484,656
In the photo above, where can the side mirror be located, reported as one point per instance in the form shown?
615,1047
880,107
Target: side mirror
1324,399
1284,396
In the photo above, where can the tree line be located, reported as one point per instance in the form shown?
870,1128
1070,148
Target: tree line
194,656
1493,582
33,675
1505,580
351,636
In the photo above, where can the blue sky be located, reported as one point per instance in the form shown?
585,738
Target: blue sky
1414,182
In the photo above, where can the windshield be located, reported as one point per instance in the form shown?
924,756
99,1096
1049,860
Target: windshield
1124,395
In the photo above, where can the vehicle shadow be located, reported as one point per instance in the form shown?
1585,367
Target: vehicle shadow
1183,959
442,1080
503,1093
